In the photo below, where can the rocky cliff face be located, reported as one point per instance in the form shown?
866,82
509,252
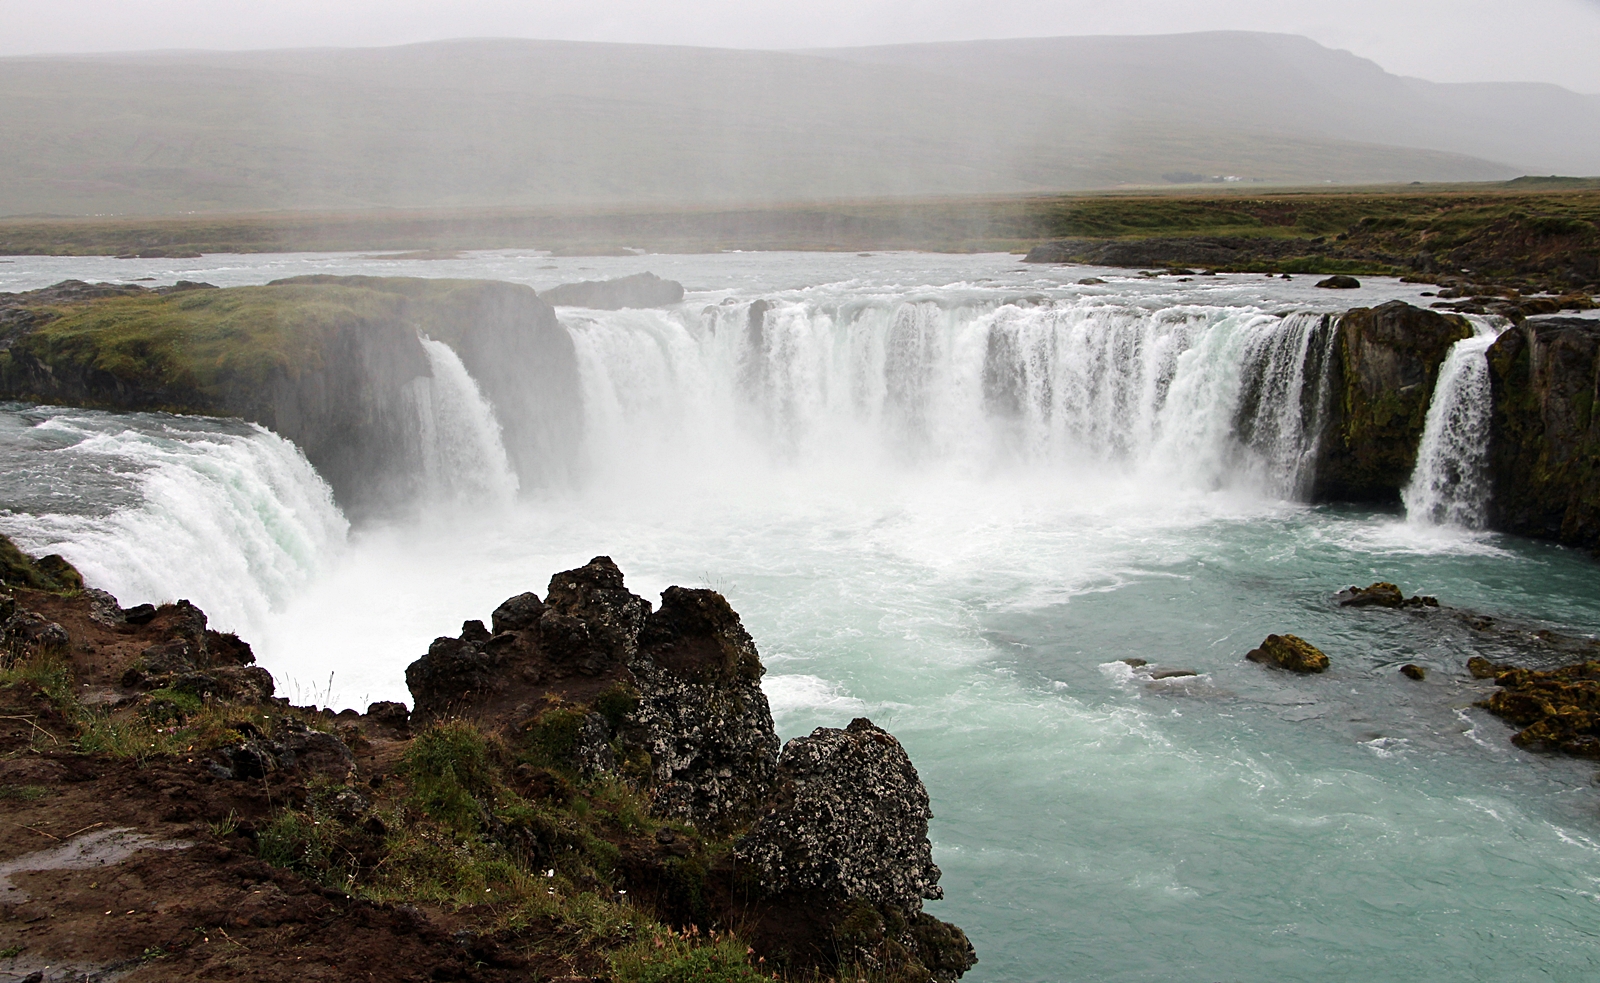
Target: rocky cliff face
1544,441
831,856
1385,364
331,363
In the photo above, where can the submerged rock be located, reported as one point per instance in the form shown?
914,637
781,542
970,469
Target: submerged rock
638,290
1413,671
1383,595
1289,652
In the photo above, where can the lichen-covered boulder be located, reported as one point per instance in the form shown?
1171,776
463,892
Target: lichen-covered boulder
702,716
847,833
1544,435
850,820
1289,652
1385,363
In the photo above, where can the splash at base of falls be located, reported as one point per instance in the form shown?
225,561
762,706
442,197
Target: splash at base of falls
1450,486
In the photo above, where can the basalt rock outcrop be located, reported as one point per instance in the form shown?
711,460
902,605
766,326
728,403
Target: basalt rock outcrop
1386,361
638,290
1544,445
831,860
333,363
676,691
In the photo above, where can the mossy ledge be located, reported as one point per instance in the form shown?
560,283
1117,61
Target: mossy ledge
591,790
328,362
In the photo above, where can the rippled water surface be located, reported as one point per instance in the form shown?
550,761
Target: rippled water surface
966,565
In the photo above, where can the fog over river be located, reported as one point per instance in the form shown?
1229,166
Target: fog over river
950,493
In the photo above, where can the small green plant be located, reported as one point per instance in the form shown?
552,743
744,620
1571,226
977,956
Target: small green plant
224,828
679,957
24,793
169,706
450,774
11,952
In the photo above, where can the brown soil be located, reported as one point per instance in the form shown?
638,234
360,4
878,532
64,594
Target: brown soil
144,870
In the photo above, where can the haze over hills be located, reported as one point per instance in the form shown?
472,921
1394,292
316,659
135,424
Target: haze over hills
534,123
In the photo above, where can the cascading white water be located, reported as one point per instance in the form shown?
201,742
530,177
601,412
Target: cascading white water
231,510
1450,485
1206,397
463,459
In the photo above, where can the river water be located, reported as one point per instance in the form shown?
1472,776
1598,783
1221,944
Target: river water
951,493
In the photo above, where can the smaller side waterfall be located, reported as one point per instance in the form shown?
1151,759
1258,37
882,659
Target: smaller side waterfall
463,458
1451,483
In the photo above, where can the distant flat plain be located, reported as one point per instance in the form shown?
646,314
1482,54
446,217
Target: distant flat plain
1375,221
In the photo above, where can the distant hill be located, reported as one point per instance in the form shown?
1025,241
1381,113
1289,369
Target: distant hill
537,123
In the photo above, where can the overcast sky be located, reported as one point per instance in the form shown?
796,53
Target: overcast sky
1443,40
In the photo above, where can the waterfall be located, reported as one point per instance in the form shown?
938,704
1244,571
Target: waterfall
154,507
1203,397
462,457
1450,485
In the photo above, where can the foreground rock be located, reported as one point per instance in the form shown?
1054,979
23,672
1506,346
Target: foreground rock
847,828
586,763
1544,444
1289,652
638,290
832,836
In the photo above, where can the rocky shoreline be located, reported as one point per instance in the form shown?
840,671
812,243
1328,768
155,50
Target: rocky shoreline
590,789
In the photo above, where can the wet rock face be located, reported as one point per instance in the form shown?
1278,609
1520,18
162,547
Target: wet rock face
1289,652
850,820
1544,438
702,716
1386,361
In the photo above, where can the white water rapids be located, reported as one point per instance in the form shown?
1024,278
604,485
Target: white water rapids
951,493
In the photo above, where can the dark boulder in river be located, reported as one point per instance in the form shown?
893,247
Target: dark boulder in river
1385,362
1544,443
1339,283
638,290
